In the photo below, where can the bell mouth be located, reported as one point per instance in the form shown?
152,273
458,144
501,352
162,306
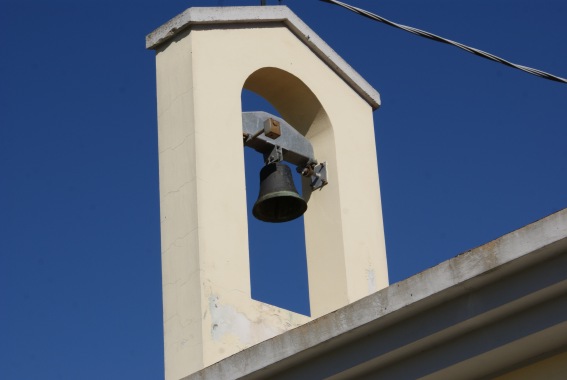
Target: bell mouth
279,207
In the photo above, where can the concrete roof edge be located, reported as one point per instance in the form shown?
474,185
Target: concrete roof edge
266,14
511,253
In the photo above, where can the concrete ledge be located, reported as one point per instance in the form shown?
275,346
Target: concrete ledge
225,16
513,289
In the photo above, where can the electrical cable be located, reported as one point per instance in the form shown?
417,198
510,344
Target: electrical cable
431,36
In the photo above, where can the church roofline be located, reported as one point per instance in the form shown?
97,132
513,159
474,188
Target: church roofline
435,323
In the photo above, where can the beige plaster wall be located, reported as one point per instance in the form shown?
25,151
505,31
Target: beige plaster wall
208,312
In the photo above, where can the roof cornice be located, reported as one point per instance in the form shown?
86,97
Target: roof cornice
434,324
224,16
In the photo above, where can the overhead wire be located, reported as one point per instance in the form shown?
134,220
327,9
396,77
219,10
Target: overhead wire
431,36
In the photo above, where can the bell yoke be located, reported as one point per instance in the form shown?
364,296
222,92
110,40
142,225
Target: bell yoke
278,141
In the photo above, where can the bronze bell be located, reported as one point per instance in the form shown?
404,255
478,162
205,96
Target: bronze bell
278,200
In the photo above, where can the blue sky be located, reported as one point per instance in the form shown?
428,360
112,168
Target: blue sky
468,150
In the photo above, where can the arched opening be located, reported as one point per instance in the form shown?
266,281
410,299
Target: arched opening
278,265
293,100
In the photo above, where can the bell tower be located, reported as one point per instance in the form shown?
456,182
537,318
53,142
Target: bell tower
204,58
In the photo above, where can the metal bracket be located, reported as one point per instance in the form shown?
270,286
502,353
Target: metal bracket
276,155
317,173
278,141
262,131
319,176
